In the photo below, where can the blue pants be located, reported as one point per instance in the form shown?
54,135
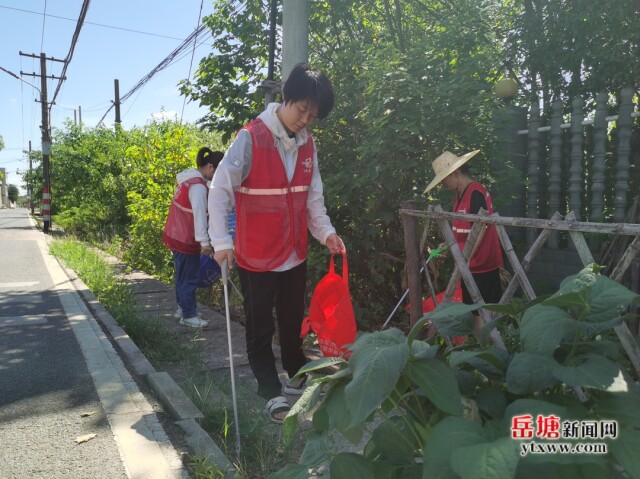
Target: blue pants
187,267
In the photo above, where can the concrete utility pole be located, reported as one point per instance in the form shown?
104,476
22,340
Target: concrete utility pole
295,34
30,184
116,86
46,136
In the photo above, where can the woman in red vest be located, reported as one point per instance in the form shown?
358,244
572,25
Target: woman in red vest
185,232
270,173
486,258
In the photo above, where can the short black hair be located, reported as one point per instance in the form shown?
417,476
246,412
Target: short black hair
304,83
208,157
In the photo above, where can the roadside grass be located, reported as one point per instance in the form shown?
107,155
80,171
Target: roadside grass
151,335
264,450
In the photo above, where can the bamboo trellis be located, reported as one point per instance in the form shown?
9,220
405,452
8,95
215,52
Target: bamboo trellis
576,229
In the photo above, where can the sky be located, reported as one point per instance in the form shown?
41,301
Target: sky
119,39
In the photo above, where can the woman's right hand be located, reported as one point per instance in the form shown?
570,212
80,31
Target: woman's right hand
223,254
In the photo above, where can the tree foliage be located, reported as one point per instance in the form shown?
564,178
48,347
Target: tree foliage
411,78
13,193
227,81
562,49
118,184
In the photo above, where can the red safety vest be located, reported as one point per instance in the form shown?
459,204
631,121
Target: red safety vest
179,231
488,255
271,212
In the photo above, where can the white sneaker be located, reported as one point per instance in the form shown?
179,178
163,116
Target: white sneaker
194,322
178,314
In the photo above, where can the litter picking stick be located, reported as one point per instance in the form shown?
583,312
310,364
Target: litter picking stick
434,254
225,280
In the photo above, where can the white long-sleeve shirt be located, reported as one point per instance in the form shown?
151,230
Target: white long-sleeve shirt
198,199
234,169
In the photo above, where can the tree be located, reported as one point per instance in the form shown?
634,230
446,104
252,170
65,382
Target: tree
565,48
411,79
227,80
13,193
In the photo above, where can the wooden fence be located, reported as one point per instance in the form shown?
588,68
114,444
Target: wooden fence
569,224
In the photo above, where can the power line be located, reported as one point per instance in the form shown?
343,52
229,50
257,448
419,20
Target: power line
193,53
92,23
44,17
74,40
161,66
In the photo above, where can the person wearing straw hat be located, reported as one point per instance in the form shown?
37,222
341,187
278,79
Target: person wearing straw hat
486,258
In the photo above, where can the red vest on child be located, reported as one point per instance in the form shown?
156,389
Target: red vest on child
271,212
488,255
179,231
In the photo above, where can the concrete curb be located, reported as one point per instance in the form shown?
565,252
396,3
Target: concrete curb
172,397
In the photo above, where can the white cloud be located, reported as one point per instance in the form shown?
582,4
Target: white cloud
165,115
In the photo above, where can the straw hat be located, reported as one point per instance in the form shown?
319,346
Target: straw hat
446,164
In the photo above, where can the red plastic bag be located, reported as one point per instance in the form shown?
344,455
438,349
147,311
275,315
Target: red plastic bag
331,312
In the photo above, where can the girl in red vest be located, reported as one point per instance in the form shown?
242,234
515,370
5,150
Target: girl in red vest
270,174
185,232
486,258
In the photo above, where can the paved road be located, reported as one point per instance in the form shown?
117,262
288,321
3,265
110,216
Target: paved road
60,378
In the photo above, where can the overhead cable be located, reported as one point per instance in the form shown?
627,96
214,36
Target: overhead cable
74,40
161,66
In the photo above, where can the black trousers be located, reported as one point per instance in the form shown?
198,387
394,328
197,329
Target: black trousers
262,291
488,284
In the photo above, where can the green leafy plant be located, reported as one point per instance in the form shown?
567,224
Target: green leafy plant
423,411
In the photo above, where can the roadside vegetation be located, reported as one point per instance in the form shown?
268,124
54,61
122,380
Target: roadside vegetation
263,448
412,78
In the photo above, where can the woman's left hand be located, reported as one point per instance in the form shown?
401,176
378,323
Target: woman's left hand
335,244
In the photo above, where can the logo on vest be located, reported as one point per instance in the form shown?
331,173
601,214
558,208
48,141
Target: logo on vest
308,165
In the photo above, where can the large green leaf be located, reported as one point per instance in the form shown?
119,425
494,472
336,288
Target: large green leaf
438,381
446,437
453,319
395,441
423,350
543,327
609,299
304,405
590,371
348,465
621,406
376,364
626,449
316,450
492,401
611,349
590,328
530,372
490,460
595,469
319,364
491,361
335,407
291,471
